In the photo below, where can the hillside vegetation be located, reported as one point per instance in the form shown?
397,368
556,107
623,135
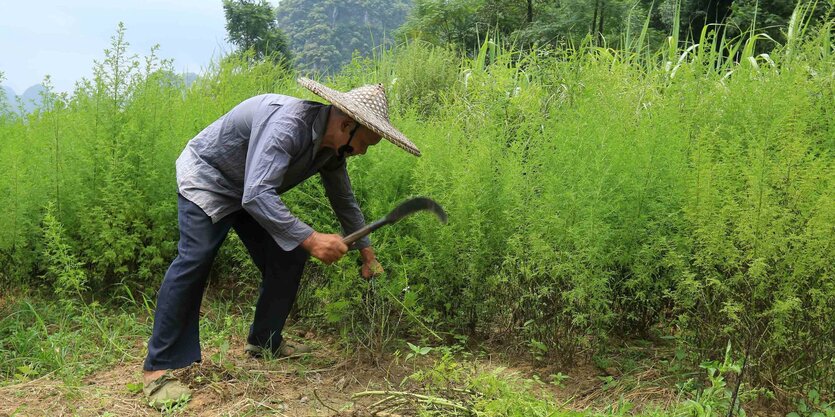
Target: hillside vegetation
593,194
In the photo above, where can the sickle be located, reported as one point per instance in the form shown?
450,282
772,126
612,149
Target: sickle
406,208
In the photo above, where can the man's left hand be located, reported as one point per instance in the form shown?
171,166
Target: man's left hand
370,266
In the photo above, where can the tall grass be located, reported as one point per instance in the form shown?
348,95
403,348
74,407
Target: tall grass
592,194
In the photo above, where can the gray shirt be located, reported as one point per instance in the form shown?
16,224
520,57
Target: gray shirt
263,147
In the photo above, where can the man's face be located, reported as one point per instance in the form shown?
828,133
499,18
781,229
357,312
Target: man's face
363,138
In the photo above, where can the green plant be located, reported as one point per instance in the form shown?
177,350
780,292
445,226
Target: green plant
715,398
62,268
538,349
814,406
417,351
134,387
558,379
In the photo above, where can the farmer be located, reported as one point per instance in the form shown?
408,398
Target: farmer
231,176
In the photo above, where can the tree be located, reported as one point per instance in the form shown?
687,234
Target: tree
466,22
324,34
768,16
253,26
606,22
444,22
696,14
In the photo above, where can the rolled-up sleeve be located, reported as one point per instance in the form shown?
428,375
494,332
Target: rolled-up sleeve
337,186
271,147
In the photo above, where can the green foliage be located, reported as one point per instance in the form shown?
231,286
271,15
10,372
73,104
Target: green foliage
443,23
814,406
421,89
62,268
104,156
614,23
716,398
324,35
252,25
5,101
767,16
499,392
592,194
466,23
67,340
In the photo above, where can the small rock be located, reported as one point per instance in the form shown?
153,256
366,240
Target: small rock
304,400
340,384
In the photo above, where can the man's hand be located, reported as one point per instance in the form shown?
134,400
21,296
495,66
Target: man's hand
325,247
370,266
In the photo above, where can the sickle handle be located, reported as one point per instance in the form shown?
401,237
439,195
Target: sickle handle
364,231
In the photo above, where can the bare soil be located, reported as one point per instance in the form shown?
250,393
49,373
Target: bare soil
320,384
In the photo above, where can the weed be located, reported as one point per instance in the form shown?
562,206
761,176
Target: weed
813,406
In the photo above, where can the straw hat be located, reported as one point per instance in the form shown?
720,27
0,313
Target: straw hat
368,106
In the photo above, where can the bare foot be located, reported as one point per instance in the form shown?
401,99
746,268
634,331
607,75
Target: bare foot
149,376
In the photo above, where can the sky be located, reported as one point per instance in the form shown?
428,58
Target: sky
63,38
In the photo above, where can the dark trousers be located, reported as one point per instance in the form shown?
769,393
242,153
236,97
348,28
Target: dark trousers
175,342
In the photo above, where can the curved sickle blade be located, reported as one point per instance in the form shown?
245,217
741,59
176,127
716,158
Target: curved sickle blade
404,209
413,206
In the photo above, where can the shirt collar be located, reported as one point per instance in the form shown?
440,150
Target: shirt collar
320,123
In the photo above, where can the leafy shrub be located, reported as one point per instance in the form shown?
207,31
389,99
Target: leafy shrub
62,268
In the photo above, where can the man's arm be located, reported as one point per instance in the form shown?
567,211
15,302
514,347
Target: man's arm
272,144
337,186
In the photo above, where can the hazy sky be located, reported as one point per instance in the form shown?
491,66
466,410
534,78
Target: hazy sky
62,38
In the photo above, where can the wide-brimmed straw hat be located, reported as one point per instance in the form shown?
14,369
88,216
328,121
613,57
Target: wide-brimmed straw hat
366,105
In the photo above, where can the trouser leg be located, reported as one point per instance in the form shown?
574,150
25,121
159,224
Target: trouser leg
281,272
175,342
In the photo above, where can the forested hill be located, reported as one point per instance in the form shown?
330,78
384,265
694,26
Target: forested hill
324,34
29,100
615,23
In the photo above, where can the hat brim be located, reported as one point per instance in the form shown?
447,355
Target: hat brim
361,114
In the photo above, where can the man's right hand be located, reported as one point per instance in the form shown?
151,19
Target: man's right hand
325,247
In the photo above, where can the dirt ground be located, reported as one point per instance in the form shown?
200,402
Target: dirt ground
237,385
321,384
324,383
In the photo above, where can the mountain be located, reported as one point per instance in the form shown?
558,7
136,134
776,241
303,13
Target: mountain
189,78
32,98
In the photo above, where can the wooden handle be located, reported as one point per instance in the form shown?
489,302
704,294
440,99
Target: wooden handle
359,234
363,232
